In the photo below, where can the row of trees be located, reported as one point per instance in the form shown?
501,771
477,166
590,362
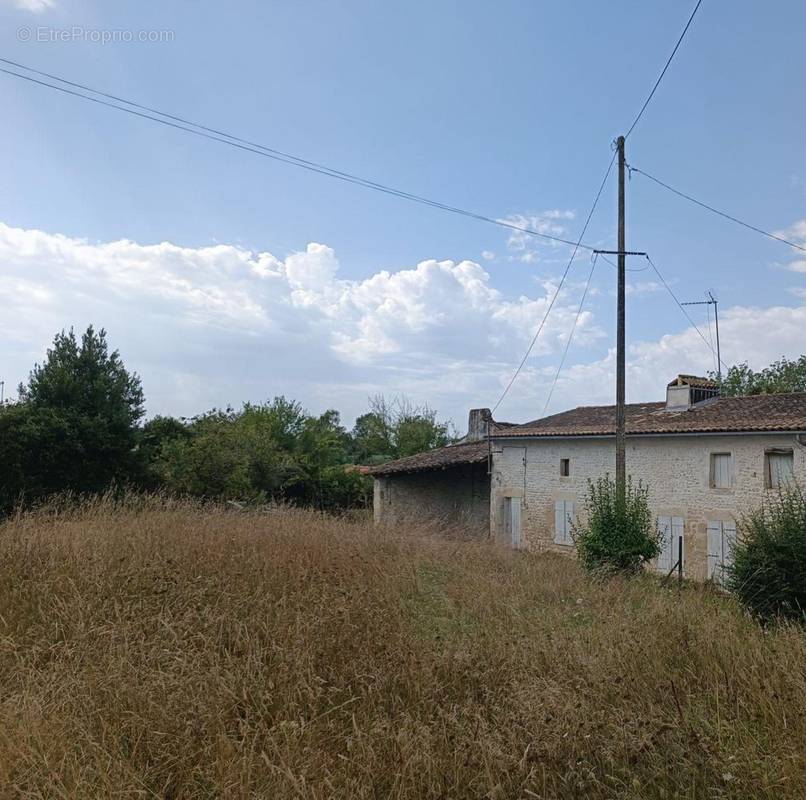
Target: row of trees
78,426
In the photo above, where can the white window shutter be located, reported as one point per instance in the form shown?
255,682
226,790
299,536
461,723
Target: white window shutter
728,542
722,470
665,531
569,521
559,522
714,554
781,469
516,522
678,527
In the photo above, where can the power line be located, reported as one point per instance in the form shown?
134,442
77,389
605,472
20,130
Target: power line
716,210
626,269
206,132
559,286
663,71
682,308
570,335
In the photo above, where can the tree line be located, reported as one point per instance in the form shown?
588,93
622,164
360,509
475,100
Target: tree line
78,426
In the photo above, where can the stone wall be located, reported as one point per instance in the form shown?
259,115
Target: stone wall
455,495
676,469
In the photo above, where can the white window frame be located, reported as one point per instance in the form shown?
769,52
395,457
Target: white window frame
567,463
716,477
720,542
563,522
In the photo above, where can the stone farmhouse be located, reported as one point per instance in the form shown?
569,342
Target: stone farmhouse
706,459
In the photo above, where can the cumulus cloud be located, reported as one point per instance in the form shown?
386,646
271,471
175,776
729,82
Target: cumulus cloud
748,333
218,324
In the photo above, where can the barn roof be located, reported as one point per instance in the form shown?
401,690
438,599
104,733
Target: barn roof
453,455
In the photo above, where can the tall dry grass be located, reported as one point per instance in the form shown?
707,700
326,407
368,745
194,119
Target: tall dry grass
165,650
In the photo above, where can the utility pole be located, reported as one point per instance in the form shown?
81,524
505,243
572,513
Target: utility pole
621,467
622,253
712,301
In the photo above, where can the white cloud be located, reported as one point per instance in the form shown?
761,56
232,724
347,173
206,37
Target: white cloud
36,6
488,255
795,233
643,288
747,333
214,325
527,247
221,324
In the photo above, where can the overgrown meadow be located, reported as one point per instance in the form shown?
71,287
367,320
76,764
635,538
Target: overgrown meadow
155,649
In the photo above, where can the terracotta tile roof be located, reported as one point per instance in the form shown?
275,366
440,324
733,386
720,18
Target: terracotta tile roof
694,381
453,455
762,412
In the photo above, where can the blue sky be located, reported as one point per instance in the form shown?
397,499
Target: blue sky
508,109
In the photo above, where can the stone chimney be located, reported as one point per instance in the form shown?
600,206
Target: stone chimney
478,424
686,390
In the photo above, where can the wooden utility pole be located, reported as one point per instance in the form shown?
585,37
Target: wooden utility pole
621,467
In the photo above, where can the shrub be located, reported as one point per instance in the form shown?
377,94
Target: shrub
768,573
620,534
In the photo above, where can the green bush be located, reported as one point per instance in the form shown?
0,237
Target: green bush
620,534
768,573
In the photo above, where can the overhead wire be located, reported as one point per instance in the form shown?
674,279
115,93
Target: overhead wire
716,210
206,132
570,335
559,285
663,71
682,308
631,128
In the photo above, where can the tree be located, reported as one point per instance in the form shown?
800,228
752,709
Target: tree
75,425
397,429
780,376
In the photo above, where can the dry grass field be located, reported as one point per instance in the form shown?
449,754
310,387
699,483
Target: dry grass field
168,651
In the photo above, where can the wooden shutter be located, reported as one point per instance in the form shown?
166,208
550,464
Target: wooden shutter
515,521
569,521
559,522
728,542
780,467
678,526
714,554
665,531
721,470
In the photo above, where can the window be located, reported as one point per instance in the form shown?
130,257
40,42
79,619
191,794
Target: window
721,471
778,468
565,467
671,531
563,519
512,520
721,541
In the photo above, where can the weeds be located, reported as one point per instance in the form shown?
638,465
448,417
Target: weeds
165,650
